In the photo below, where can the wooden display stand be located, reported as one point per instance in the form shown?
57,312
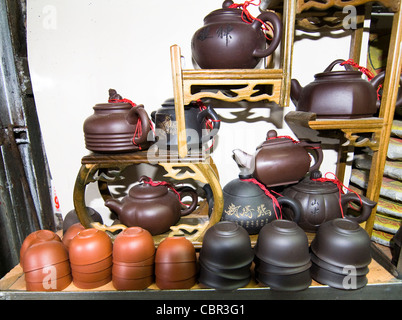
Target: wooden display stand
104,168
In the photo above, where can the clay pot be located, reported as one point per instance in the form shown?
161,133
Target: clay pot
132,284
319,201
336,280
50,286
227,42
226,245
36,237
133,244
90,246
279,160
72,218
339,94
113,125
247,204
152,207
93,267
342,242
290,282
71,232
44,254
132,272
175,250
175,285
210,279
282,243
175,264
59,270
195,119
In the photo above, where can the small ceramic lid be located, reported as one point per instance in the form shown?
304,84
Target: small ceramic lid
310,185
273,140
147,191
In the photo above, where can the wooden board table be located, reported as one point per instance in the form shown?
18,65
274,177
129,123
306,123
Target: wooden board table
381,285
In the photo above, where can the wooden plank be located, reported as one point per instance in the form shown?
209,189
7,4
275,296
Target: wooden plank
387,110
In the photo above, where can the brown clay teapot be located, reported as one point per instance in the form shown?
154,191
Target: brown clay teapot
226,41
320,202
152,206
112,127
339,94
279,160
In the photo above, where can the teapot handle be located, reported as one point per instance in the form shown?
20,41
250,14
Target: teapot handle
367,206
378,79
135,113
316,146
209,113
294,205
277,26
348,67
183,191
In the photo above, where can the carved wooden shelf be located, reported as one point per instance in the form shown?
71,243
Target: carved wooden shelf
106,168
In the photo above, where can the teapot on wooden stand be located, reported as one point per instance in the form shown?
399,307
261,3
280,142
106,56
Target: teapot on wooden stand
154,206
228,40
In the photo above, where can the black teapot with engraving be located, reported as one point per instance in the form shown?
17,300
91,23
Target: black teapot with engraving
248,203
202,124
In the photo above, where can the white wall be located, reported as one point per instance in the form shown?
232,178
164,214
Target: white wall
78,49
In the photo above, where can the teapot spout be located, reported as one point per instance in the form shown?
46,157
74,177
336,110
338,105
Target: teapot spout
114,205
244,161
295,91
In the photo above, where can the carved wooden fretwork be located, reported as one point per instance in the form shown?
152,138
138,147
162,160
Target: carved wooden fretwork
304,5
353,139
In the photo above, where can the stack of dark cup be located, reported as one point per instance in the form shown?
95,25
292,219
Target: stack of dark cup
282,259
340,253
225,257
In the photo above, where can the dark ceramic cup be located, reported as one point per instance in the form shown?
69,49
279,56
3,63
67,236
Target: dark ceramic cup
226,245
342,242
282,243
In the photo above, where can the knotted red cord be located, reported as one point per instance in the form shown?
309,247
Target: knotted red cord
248,18
138,127
209,122
149,181
340,186
365,71
266,191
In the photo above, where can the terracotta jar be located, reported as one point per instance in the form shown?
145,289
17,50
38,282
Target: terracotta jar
113,127
226,41
320,202
152,206
279,160
339,94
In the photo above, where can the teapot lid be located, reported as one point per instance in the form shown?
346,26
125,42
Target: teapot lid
243,189
311,184
273,139
147,190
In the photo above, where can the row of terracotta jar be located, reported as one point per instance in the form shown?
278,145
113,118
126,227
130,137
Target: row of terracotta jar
89,259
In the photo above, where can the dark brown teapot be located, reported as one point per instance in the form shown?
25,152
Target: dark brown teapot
339,94
152,206
113,126
320,202
279,160
252,206
226,41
